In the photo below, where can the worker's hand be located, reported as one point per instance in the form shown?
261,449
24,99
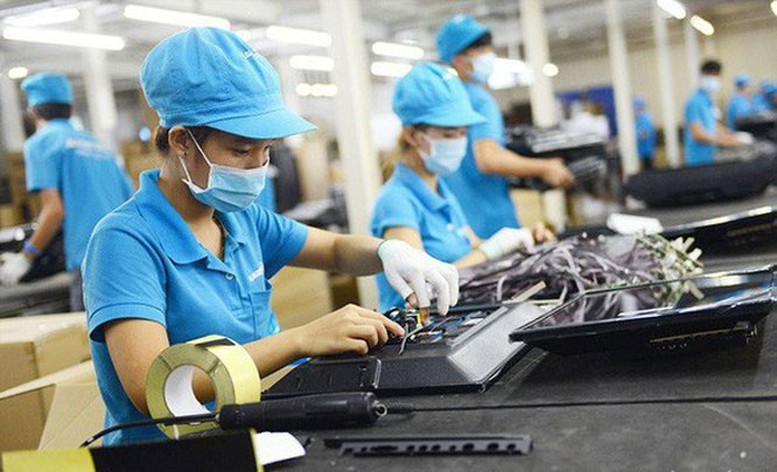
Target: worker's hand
349,329
505,241
13,266
556,174
542,234
419,277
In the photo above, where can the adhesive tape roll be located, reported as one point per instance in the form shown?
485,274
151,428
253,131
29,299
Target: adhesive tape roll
169,389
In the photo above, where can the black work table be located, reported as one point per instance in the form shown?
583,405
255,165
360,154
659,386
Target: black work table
704,412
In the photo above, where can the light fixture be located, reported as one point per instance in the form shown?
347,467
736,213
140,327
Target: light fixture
402,51
550,69
673,7
390,69
320,63
64,38
44,17
299,36
703,26
316,90
18,72
774,7
173,17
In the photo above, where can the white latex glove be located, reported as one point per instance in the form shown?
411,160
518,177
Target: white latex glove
409,271
505,241
13,266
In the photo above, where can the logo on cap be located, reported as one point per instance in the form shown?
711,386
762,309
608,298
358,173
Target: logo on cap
248,54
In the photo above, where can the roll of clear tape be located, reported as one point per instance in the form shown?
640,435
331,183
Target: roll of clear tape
227,364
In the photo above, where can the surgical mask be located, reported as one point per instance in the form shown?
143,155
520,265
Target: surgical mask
445,155
229,189
710,84
483,67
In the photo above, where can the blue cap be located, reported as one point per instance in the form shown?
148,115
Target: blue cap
47,88
741,80
431,94
211,77
456,34
639,103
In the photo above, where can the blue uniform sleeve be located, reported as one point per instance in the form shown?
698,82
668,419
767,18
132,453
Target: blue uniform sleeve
393,210
694,112
493,127
43,163
281,238
124,277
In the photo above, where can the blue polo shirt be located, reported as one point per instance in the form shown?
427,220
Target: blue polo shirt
88,176
484,198
406,200
740,106
144,262
646,136
699,109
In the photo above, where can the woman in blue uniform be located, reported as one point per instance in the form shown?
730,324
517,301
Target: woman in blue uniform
415,205
191,253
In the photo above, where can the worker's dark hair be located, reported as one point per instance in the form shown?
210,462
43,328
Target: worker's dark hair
711,67
52,111
484,40
200,133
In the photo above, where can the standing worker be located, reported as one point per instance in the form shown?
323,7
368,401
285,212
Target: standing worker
480,184
703,132
646,134
741,104
78,179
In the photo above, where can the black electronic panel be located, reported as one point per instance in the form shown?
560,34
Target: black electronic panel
459,352
711,310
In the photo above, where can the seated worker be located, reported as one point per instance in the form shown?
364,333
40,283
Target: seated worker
481,183
77,178
415,205
192,252
741,104
703,132
646,134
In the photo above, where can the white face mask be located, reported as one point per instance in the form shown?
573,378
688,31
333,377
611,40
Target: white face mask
483,67
710,84
445,155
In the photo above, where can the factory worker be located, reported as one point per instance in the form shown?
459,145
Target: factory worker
481,182
703,131
646,134
741,104
191,254
416,205
78,180
766,98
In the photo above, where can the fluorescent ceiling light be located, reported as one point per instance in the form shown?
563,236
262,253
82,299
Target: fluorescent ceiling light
299,36
673,7
18,72
703,26
316,90
44,17
64,38
173,17
774,7
550,69
390,69
303,62
402,51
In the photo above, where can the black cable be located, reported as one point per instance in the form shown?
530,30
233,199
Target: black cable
171,420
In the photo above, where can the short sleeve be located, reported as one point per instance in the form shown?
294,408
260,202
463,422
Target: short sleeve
281,238
43,164
493,127
694,112
124,277
393,209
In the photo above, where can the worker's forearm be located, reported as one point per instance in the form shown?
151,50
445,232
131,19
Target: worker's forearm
474,257
500,161
49,222
357,255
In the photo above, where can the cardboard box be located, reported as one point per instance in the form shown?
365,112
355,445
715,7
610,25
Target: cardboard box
299,296
30,348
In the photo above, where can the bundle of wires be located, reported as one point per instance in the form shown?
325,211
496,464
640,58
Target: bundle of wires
582,263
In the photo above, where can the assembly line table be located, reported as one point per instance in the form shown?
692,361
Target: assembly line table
711,411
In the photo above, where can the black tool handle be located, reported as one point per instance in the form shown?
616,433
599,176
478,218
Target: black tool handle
308,412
